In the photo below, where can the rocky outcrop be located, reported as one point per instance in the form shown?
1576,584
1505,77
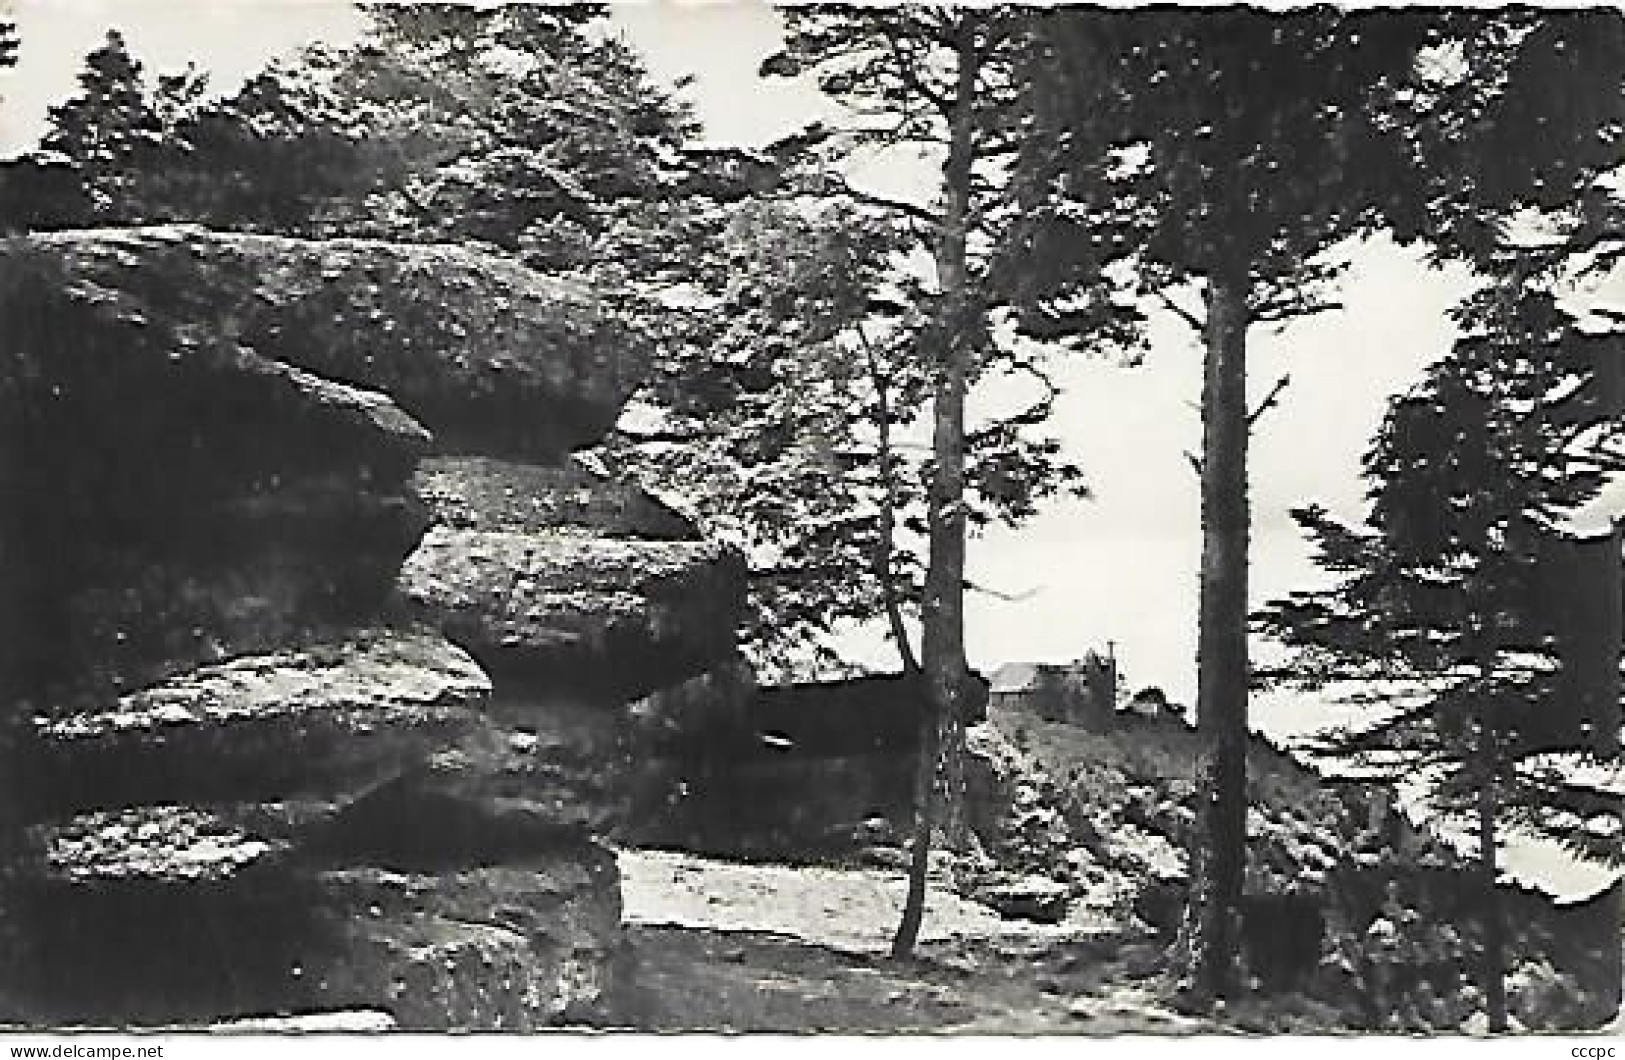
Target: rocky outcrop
213,920
493,357
322,720
320,651
481,493
594,593
173,498
617,618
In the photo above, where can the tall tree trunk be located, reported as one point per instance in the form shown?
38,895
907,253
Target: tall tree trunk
918,696
1493,961
1221,697
1606,727
942,646
1598,667
919,861
886,547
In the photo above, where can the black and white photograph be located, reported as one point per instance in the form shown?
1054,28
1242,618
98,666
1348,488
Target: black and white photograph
712,518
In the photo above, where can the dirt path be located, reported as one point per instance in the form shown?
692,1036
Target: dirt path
853,910
722,946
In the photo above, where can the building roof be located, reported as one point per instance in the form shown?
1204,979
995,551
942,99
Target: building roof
1014,677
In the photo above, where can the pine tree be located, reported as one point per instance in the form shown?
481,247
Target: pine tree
1448,616
279,155
1233,149
527,128
103,130
1577,782
781,429
938,80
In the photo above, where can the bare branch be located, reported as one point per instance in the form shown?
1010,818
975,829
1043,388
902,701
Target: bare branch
1181,312
910,210
1287,309
886,546
1009,598
1271,399
907,73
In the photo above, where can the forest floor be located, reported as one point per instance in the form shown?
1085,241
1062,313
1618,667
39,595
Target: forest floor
723,946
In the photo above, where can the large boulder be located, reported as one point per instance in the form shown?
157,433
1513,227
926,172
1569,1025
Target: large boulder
877,714
556,577
484,493
791,771
1030,897
170,497
786,808
326,718
609,617
522,946
308,722
577,593
168,915
493,357
672,721
525,780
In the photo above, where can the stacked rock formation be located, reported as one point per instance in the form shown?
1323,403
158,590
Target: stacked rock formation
318,647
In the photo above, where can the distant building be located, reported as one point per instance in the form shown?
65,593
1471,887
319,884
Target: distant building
1083,692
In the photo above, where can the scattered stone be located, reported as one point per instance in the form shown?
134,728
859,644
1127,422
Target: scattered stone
1029,898
885,857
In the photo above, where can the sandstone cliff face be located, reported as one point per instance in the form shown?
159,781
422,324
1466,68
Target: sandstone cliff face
318,648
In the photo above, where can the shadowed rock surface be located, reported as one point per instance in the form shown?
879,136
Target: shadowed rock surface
318,720
610,616
483,493
491,356
297,725
172,497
